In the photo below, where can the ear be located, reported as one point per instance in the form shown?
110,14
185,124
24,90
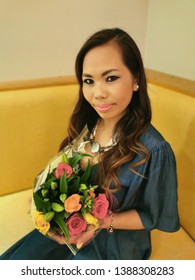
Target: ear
136,87
136,83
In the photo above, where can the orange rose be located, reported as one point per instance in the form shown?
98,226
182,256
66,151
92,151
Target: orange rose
71,204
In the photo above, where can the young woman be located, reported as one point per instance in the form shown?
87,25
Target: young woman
131,160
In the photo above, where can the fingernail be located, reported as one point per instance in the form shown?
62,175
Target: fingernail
79,245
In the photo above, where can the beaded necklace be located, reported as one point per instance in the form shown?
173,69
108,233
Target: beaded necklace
96,147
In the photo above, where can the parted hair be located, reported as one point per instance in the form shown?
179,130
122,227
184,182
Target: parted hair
131,126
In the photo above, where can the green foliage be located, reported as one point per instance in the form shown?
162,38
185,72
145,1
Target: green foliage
63,184
41,204
59,219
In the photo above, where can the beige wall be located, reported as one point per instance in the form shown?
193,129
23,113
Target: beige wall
41,38
170,43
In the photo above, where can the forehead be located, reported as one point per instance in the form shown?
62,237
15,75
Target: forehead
107,55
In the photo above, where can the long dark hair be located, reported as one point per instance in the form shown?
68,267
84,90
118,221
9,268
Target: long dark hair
138,114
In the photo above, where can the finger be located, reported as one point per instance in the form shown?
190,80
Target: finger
85,237
59,239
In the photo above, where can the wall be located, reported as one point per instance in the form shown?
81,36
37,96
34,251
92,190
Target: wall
170,41
41,38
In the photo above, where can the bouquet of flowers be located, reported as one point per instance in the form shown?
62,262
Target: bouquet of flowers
64,201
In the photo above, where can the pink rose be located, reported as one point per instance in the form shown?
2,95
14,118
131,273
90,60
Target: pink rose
101,205
76,224
61,168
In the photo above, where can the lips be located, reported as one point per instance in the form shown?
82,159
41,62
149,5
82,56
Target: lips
103,107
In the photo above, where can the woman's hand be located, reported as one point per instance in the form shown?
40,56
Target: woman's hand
79,240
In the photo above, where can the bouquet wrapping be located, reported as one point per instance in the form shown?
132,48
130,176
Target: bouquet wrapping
65,204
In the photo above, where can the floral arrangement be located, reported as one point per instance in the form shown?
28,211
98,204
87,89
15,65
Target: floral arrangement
64,201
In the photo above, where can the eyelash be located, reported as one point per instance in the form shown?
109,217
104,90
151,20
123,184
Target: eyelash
88,81
109,79
112,78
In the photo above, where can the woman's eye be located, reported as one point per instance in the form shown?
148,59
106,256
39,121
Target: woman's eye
112,78
88,81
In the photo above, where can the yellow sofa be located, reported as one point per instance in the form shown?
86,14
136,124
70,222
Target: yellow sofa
33,123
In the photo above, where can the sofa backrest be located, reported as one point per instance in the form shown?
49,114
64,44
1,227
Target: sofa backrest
33,123
174,116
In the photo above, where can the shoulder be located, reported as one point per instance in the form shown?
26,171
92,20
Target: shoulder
153,139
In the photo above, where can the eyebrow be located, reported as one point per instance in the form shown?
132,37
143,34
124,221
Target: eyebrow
103,74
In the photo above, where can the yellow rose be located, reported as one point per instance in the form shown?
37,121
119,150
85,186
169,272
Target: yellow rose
40,222
91,220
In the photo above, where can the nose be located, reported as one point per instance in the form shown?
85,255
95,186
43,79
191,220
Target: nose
100,91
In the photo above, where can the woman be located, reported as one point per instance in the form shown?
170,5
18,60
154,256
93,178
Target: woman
131,159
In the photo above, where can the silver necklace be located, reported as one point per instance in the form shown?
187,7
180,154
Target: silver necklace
96,147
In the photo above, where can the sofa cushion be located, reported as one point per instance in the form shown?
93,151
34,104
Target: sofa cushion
15,219
172,246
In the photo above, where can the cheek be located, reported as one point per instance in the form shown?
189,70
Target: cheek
87,95
125,99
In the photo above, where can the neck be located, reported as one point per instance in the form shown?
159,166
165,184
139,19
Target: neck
107,125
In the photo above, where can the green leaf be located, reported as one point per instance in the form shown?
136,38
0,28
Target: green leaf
86,174
66,215
64,158
83,211
62,197
58,218
49,216
63,184
74,160
74,188
47,184
40,204
57,207
69,179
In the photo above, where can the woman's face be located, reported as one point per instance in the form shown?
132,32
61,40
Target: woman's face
108,84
